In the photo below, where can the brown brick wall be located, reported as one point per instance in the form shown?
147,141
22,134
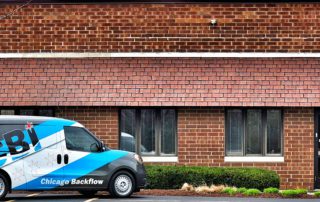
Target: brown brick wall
201,142
201,139
160,82
103,121
242,27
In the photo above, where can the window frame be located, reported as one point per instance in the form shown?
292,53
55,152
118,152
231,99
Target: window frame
85,129
264,131
35,109
158,131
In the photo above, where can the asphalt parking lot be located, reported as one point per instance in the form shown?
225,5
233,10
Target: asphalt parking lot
136,198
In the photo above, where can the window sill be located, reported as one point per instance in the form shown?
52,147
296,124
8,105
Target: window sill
160,159
253,159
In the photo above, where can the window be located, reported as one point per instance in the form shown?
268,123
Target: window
45,112
150,132
28,111
253,132
80,139
7,112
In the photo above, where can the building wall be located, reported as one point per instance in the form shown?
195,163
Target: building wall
192,84
201,142
160,82
184,27
201,139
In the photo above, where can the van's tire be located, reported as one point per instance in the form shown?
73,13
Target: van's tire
87,192
122,185
4,186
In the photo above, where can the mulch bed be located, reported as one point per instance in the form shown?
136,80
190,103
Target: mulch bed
177,192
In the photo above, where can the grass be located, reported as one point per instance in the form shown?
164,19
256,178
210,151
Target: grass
241,190
271,190
252,192
293,192
229,190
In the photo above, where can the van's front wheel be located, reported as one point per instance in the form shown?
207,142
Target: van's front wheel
122,184
4,186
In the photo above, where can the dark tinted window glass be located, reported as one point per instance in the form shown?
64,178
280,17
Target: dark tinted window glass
235,132
27,112
148,120
7,112
79,139
254,132
168,131
151,131
128,130
45,112
273,131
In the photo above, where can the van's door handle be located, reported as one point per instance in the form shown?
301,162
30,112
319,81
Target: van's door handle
66,159
59,159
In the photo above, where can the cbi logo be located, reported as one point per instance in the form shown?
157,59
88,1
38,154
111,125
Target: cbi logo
18,141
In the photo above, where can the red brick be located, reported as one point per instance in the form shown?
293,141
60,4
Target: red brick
101,120
241,27
98,82
296,171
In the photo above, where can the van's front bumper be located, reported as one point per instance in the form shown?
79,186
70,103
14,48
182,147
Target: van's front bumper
141,177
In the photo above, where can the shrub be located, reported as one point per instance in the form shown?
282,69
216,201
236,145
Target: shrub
252,192
230,190
271,190
241,190
173,177
293,192
317,194
301,191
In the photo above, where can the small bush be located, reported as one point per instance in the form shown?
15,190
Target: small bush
252,192
294,192
173,177
317,194
271,190
230,190
301,191
241,190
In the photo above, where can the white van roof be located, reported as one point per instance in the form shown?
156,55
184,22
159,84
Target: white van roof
18,119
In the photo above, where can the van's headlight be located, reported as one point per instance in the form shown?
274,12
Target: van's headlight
138,158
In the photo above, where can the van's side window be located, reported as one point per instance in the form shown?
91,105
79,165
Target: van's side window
80,139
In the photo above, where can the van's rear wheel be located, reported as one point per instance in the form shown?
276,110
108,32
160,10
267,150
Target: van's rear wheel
87,193
122,184
4,186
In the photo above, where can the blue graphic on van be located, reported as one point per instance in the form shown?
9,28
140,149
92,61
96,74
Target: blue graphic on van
20,141
72,172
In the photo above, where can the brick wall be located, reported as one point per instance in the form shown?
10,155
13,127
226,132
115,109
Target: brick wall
242,27
201,139
201,136
160,82
201,142
103,121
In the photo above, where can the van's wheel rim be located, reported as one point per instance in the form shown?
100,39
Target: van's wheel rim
123,185
2,186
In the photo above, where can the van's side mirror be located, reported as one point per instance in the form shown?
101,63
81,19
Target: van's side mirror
103,148
94,147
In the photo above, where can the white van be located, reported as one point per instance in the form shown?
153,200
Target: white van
45,153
